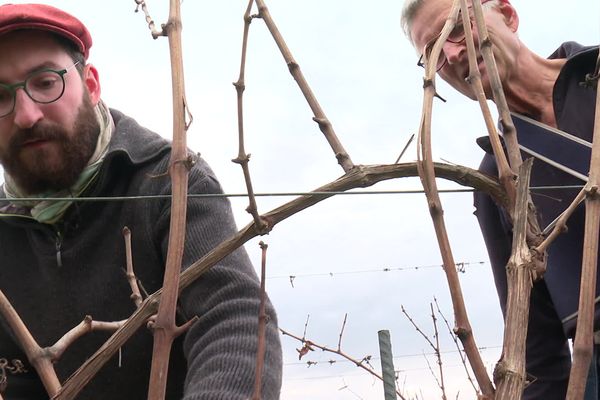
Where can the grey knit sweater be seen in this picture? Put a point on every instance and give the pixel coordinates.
(56, 275)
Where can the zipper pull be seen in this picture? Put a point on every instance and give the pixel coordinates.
(58, 248)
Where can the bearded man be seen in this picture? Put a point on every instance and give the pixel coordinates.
(62, 260)
(557, 93)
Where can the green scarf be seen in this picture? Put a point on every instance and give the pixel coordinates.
(51, 211)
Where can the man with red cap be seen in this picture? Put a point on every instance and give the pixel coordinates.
(556, 92)
(61, 260)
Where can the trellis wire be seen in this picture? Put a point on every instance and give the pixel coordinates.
(266, 194)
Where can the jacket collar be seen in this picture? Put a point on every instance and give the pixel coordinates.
(136, 143)
(573, 77)
(571, 50)
(130, 141)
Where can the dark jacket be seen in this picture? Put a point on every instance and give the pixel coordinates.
(217, 356)
(555, 298)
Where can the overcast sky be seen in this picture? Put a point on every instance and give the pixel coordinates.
(363, 71)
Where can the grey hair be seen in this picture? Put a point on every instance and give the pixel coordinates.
(409, 10)
(412, 7)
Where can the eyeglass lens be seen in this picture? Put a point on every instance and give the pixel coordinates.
(43, 87)
(456, 36)
(441, 59)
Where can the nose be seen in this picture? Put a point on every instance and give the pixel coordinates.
(27, 112)
(454, 52)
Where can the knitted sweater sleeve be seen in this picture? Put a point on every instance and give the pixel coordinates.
(221, 347)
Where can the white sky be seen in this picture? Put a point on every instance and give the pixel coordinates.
(363, 72)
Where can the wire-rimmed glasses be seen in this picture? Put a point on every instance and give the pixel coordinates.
(456, 36)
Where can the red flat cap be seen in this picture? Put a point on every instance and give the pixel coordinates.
(46, 18)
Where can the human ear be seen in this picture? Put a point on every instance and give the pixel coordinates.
(92, 83)
(511, 18)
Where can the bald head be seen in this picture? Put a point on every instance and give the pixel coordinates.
(412, 7)
(409, 10)
(423, 20)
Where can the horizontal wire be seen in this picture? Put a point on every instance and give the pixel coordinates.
(460, 266)
(274, 194)
(397, 370)
(400, 356)
(360, 373)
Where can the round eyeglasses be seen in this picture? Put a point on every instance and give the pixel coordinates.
(456, 36)
(44, 86)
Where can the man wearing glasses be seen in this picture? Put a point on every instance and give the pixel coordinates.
(556, 93)
(61, 260)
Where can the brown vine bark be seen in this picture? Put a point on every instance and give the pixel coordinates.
(360, 176)
(534, 233)
(509, 373)
(319, 115)
(243, 159)
(262, 325)
(428, 179)
(582, 346)
(164, 326)
(35, 354)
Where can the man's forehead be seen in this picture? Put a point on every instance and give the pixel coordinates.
(434, 9)
(24, 50)
(428, 20)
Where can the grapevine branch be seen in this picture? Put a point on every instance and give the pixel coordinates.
(86, 326)
(435, 347)
(319, 115)
(165, 299)
(308, 345)
(42, 359)
(519, 271)
(456, 343)
(583, 344)
(505, 174)
(485, 45)
(164, 325)
(151, 25)
(342, 332)
(561, 223)
(437, 352)
(534, 233)
(510, 370)
(262, 325)
(136, 296)
(35, 354)
(430, 368)
(361, 176)
(305, 327)
(428, 180)
(243, 159)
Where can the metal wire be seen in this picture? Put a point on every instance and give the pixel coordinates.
(274, 194)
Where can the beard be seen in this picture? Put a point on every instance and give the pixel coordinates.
(56, 168)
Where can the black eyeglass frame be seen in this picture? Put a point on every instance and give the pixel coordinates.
(12, 88)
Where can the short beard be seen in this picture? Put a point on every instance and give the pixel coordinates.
(75, 150)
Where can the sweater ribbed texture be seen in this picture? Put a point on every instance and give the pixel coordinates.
(216, 358)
